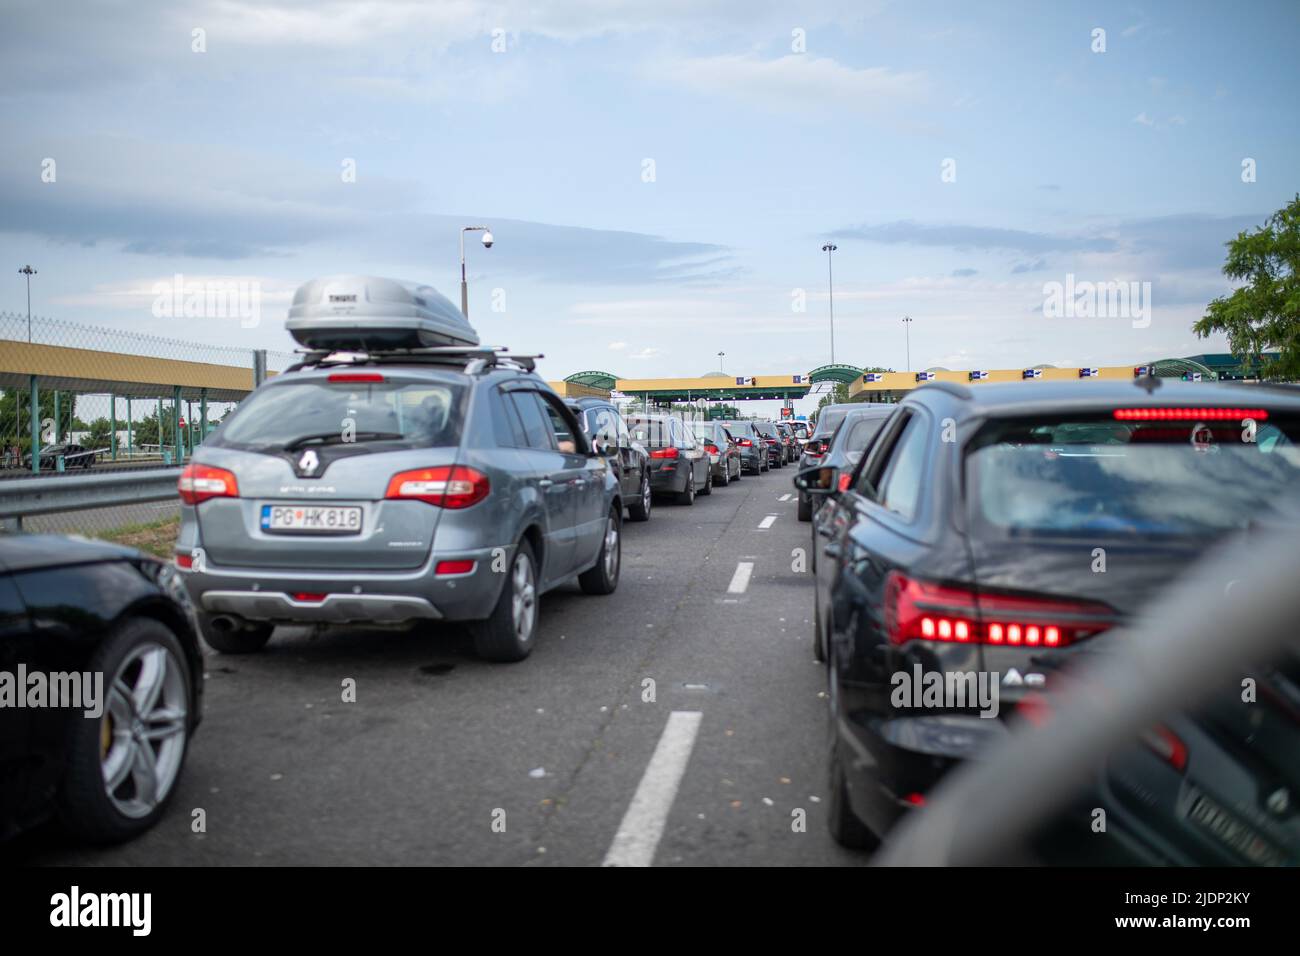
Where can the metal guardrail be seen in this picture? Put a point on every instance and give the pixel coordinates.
(27, 497)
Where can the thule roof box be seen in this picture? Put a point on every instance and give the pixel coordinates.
(372, 313)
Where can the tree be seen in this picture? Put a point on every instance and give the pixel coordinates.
(99, 434)
(15, 416)
(1264, 314)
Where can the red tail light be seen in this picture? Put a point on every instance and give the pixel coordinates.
(815, 448)
(1189, 414)
(356, 377)
(454, 567)
(310, 597)
(185, 561)
(448, 486)
(918, 610)
(201, 482)
(664, 453)
(844, 480)
(712, 449)
(1167, 745)
(745, 443)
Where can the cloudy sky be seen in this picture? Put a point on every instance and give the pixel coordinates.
(660, 176)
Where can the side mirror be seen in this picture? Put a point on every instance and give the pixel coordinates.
(817, 481)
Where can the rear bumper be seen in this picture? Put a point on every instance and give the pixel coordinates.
(664, 479)
(354, 597)
(886, 761)
(335, 609)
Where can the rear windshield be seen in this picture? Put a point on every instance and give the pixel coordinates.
(800, 429)
(705, 430)
(1094, 474)
(830, 419)
(316, 412)
(855, 436)
(652, 432)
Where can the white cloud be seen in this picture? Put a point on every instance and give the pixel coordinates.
(648, 353)
(1144, 119)
(803, 83)
(617, 346)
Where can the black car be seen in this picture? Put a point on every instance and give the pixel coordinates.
(844, 450)
(75, 614)
(995, 532)
(789, 445)
(73, 455)
(723, 451)
(679, 464)
(607, 432)
(818, 440)
(772, 440)
(751, 445)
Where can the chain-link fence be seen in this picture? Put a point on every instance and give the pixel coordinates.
(94, 400)
(111, 398)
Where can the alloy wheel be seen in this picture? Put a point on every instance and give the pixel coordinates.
(523, 599)
(143, 730)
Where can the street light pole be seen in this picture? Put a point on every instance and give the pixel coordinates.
(907, 324)
(829, 248)
(487, 242)
(721, 356)
(28, 271)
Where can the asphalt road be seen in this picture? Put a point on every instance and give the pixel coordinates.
(560, 759)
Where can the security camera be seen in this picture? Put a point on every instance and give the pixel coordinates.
(488, 240)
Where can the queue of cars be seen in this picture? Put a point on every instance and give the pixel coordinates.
(1012, 533)
(399, 473)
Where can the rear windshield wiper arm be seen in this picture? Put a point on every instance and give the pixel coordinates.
(336, 437)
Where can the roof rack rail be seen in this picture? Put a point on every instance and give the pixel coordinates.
(475, 358)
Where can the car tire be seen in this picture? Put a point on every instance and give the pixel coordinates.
(819, 638)
(805, 507)
(687, 496)
(602, 577)
(248, 639)
(846, 829)
(510, 631)
(708, 482)
(726, 476)
(140, 654)
(639, 510)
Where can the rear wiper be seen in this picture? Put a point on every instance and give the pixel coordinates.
(336, 437)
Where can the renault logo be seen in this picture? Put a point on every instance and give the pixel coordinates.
(308, 462)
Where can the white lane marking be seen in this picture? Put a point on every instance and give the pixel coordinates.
(784, 498)
(643, 823)
(767, 522)
(740, 580)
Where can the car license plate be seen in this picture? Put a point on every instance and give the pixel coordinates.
(311, 519)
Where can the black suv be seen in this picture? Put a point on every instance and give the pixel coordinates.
(608, 434)
(998, 531)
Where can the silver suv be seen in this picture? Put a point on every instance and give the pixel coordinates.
(443, 484)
